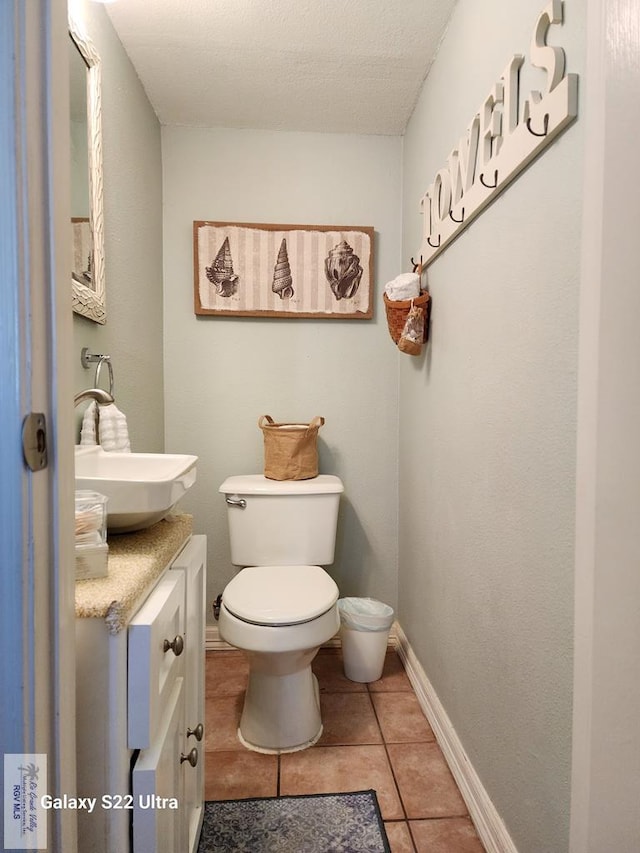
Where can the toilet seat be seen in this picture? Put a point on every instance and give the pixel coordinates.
(280, 595)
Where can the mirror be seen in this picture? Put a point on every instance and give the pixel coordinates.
(87, 227)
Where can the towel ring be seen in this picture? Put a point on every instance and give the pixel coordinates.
(104, 359)
(98, 359)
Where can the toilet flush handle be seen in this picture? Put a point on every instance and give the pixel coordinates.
(239, 502)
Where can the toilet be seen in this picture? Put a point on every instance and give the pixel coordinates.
(282, 606)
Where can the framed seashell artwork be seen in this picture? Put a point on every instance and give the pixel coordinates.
(257, 270)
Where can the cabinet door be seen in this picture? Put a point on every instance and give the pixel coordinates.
(155, 658)
(157, 783)
(192, 563)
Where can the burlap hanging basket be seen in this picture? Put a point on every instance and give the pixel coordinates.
(397, 313)
(290, 450)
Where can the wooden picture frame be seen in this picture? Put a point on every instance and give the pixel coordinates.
(246, 269)
(89, 292)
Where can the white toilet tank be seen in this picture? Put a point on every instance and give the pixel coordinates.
(282, 522)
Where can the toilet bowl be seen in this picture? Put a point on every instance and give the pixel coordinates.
(280, 616)
(282, 606)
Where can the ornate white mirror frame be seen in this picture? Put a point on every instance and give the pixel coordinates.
(90, 301)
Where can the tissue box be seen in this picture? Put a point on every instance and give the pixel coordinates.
(91, 518)
(91, 535)
(91, 561)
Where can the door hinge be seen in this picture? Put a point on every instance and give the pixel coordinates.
(34, 440)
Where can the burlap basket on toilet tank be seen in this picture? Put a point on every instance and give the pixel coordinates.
(290, 450)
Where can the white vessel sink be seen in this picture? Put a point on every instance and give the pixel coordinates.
(142, 488)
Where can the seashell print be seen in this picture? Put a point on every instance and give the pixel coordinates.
(221, 274)
(282, 279)
(343, 271)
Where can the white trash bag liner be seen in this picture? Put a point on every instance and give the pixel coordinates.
(365, 614)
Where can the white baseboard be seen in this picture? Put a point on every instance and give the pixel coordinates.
(487, 821)
(213, 641)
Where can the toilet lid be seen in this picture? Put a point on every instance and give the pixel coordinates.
(280, 595)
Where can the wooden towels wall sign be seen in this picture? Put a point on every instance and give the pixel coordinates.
(501, 140)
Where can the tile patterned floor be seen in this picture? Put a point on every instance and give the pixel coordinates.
(375, 736)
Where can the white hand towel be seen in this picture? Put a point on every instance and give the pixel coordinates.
(112, 429)
(403, 286)
(113, 433)
(88, 429)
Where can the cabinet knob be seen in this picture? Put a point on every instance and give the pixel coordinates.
(192, 757)
(197, 732)
(176, 645)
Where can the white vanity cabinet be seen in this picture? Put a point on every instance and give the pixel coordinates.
(166, 708)
(192, 562)
(140, 717)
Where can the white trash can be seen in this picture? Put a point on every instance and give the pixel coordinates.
(364, 630)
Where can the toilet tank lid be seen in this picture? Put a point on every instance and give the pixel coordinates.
(257, 484)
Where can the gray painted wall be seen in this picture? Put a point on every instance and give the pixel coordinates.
(488, 435)
(133, 242)
(221, 374)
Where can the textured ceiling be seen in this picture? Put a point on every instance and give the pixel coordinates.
(339, 66)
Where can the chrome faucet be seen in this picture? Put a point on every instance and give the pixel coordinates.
(102, 398)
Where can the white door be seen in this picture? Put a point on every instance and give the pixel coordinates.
(606, 730)
(36, 595)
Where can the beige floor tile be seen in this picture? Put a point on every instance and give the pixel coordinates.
(426, 785)
(329, 670)
(348, 718)
(225, 673)
(445, 835)
(430, 799)
(394, 678)
(399, 837)
(222, 716)
(334, 769)
(234, 775)
(401, 718)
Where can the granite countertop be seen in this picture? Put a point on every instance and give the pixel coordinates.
(136, 561)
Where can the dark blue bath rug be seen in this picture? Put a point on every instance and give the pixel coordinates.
(320, 823)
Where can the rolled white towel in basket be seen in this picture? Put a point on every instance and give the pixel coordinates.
(113, 432)
(403, 286)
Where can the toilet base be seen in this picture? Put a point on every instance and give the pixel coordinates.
(281, 710)
(266, 751)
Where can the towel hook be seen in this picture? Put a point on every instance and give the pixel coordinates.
(545, 126)
(487, 185)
